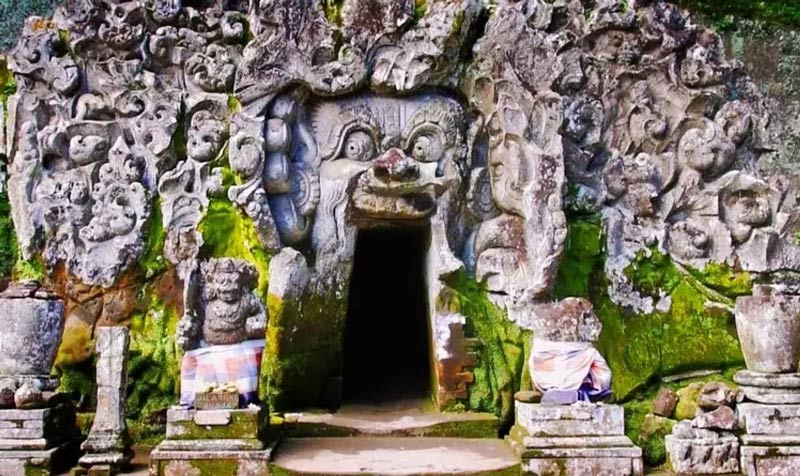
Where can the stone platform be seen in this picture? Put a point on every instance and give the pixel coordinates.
(36, 442)
(407, 418)
(575, 440)
(395, 456)
(213, 443)
(771, 446)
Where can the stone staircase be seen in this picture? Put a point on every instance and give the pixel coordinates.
(397, 439)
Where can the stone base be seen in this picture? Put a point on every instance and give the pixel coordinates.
(704, 455)
(576, 456)
(575, 440)
(47, 425)
(209, 463)
(579, 419)
(770, 460)
(109, 462)
(39, 462)
(769, 388)
(246, 424)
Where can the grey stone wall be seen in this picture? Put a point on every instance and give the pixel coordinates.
(772, 58)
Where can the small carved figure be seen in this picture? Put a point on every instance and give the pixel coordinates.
(231, 312)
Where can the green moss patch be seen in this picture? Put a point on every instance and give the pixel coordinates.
(500, 372)
(693, 334)
(304, 347)
(725, 13)
(153, 367)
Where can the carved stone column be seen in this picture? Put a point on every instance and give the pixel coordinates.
(768, 323)
(108, 446)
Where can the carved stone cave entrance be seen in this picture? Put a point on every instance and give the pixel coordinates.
(387, 344)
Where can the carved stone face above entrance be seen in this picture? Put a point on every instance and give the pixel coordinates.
(406, 152)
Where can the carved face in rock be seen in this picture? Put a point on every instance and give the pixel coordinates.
(745, 210)
(406, 151)
(206, 136)
(227, 279)
(706, 149)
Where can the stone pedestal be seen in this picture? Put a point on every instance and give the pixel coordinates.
(574, 440)
(771, 420)
(35, 442)
(213, 442)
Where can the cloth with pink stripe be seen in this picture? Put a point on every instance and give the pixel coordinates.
(571, 366)
(217, 365)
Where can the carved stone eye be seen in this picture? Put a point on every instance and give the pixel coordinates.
(358, 146)
(426, 149)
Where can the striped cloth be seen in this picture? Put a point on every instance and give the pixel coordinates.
(570, 366)
(220, 364)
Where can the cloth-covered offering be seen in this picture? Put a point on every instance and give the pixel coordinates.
(572, 367)
(218, 365)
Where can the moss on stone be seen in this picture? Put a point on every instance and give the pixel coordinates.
(243, 425)
(152, 261)
(8, 242)
(78, 380)
(498, 374)
(153, 366)
(725, 13)
(304, 347)
(690, 335)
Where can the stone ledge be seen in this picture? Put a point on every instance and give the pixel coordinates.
(583, 466)
(764, 419)
(39, 462)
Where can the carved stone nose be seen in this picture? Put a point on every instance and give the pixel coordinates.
(395, 166)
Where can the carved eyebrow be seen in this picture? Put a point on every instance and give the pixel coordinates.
(441, 113)
(347, 129)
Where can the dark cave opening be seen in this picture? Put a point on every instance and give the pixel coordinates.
(387, 351)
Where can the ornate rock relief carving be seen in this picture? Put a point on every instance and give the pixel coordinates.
(392, 117)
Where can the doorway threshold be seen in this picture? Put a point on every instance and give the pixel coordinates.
(403, 418)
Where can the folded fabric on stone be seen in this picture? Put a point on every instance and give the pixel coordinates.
(570, 366)
(217, 365)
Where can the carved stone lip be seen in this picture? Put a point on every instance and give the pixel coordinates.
(410, 206)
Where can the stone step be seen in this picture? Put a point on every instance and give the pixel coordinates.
(396, 419)
(390, 456)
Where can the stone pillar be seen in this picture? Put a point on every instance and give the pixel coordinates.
(37, 427)
(108, 446)
(768, 323)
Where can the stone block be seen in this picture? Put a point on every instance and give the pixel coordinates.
(769, 388)
(580, 456)
(209, 463)
(183, 424)
(39, 462)
(770, 460)
(718, 455)
(721, 418)
(55, 423)
(580, 419)
(665, 403)
(761, 419)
